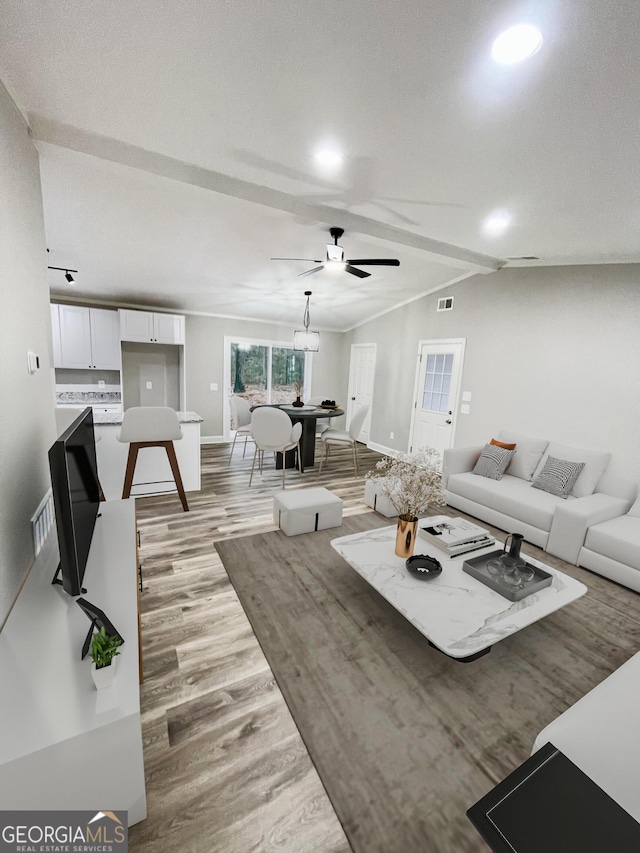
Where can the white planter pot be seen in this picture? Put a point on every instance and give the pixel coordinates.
(104, 676)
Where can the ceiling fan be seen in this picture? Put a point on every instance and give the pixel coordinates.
(336, 260)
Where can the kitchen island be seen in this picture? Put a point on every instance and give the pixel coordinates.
(153, 473)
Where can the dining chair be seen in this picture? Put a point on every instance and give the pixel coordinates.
(151, 426)
(320, 426)
(272, 430)
(344, 438)
(241, 419)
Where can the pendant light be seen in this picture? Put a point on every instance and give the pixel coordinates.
(306, 341)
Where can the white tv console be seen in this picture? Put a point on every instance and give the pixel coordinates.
(64, 744)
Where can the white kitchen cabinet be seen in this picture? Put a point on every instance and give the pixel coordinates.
(151, 327)
(105, 339)
(55, 333)
(89, 338)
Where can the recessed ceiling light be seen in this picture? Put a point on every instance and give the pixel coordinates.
(328, 157)
(516, 44)
(496, 224)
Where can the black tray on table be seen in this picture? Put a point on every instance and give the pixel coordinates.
(477, 568)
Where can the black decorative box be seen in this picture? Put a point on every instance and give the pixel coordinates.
(477, 568)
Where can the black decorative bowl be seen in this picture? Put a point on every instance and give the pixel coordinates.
(424, 567)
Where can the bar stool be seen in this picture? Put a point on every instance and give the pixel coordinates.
(151, 426)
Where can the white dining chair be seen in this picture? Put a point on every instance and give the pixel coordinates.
(151, 426)
(322, 424)
(345, 438)
(241, 419)
(272, 430)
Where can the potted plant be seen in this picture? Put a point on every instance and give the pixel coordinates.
(104, 648)
(413, 483)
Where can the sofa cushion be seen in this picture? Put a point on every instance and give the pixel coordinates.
(511, 496)
(595, 464)
(618, 539)
(558, 476)
(492, 462)
(527, 456)
(635, 509)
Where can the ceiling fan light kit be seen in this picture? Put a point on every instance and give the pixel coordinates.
(336, 261)
(304, 340)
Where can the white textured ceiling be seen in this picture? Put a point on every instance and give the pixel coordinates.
(176, 144)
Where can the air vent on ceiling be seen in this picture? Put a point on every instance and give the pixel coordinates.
(445, 303)
(524, 258)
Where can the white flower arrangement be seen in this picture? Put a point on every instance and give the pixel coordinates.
(411, 481)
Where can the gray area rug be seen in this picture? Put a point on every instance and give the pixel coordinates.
(404, 739)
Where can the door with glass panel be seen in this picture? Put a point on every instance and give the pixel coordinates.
(437, 392)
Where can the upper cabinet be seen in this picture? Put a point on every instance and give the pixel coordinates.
(88, 338)
(151, 327)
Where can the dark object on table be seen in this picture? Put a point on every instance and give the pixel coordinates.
(328, 404)
(423, 566)
(479, 568)
(548, 804)
(297, 403)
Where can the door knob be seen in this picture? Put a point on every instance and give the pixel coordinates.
(353, 398)
(447, 421)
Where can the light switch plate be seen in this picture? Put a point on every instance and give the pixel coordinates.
(466, 396)
(465, 410)
(33, 362)
(213, 386)
(148, 385)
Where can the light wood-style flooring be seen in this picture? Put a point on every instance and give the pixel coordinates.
(226, 769)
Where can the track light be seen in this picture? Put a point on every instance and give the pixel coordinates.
(67, 273)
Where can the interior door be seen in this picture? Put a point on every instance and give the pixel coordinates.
(362, 373)
(437, 392)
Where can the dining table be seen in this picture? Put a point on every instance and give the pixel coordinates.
(308, 416)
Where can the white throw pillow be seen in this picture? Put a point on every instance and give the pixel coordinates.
(527, 456)
(595, 464)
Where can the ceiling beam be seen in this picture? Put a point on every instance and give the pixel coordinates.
(65, 136)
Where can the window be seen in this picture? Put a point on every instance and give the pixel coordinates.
(267, 373)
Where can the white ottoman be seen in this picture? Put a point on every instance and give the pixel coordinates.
(377, 501)
(305, 510)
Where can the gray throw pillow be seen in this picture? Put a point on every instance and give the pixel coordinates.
(558, 476)
(493, 462)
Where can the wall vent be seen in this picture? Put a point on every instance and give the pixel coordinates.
(445, 303)
(41, 522)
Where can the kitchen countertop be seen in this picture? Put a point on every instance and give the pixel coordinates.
(115, 418)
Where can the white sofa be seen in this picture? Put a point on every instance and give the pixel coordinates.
(599, 734)
(558, 525)
(612, 548)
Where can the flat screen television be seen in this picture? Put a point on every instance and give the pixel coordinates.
(76, 498)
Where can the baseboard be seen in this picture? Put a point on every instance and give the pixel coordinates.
(212, 439)
(380, 448)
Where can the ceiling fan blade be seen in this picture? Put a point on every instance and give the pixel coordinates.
(310, 272)
(354, 271)
(308, 260)
(381, 262)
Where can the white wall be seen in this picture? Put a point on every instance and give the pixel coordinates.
(204, 357)
(27, 424)
(551, 351)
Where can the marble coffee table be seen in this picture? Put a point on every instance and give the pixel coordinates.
(459, 615)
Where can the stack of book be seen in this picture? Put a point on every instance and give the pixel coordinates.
(454, 536)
